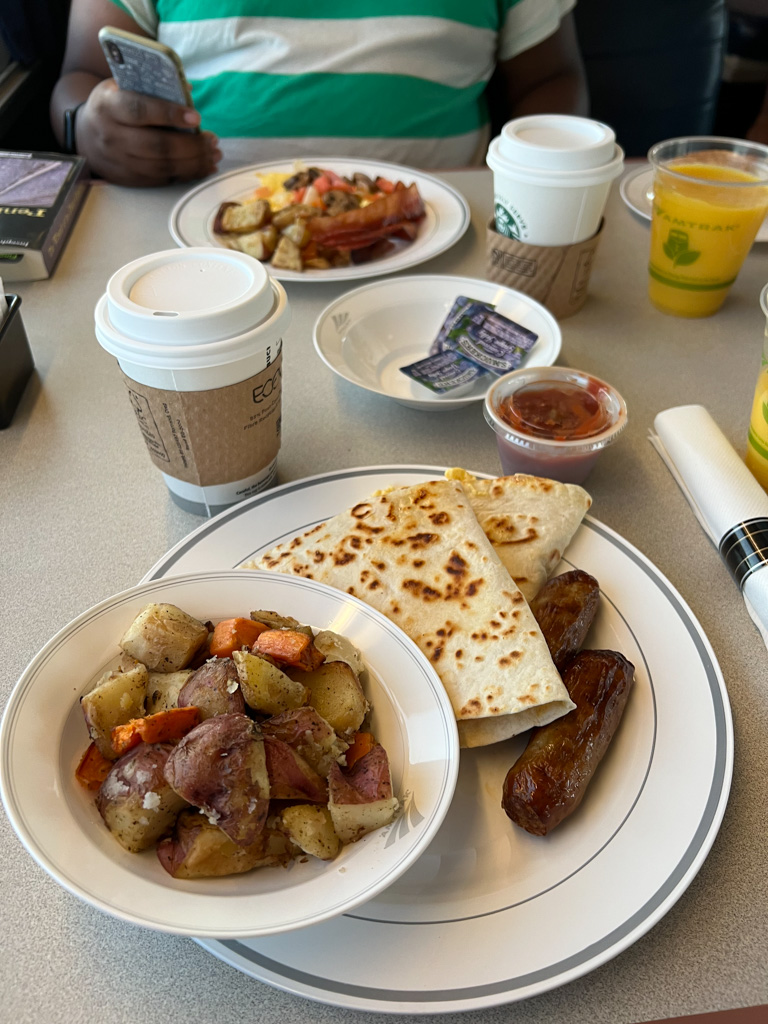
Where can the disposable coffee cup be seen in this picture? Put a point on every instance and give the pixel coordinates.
(197, 334)
(551, 177)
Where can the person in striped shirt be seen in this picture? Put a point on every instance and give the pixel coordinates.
(274, 81)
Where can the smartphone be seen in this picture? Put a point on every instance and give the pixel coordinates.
(145, 66)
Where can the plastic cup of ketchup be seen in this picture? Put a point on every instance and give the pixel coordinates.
(552, 421)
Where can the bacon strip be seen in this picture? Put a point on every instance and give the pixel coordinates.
(357, 228)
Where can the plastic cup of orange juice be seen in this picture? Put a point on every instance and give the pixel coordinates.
(710, 196)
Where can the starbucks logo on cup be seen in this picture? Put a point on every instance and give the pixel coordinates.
(506, 223)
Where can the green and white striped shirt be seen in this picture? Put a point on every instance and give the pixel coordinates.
(327, 79)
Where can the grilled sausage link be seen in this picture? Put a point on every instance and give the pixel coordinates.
(549, 779)
(564, 609)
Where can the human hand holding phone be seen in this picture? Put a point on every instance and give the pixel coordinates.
(139, 127)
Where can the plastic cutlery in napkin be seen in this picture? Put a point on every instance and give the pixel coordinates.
(729, 503)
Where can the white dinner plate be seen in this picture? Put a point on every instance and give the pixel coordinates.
(489, 914)
(636, 189)
(43, 736)
(367, 334)
(446, 220)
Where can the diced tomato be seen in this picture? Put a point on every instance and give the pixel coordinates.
(264, 192)
(298, 194)
(322, 184)
(385, 185)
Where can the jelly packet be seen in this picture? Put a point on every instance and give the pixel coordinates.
(497, 344)
(475, 339)
(471, 309)
(444, 372)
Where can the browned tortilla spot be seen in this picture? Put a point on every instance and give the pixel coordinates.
(344, 558)
(355, 542)
(459, 653)
(437, 654)
(374, 584)
(361, 511)
(381, 566)
(417, 563)
(456, 565)
(318, 557)
(420, 589)
(472, 707)
(440, 518)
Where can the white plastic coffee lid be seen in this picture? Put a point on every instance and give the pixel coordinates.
(189, 296)
(557, 142)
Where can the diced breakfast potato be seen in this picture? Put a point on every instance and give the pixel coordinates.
(336, 694)
(337, 648)
(198, 849)
(290, 214)
(353, 821)
(310, 827)
(116, 698)
(179, 761)
(287, 255)
(259, 244)
(135, 801)
(276, 621)
(265, 687)
(361, 799)
(298, 232)
(163, 689)
(164, 638)
(243, 217)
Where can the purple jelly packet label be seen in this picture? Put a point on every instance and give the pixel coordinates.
(472, 309)
(497, 344)
(444, 372)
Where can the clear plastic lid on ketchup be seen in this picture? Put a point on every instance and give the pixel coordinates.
(553, 421)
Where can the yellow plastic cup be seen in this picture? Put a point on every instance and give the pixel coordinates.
(756, 457)
(710, 196)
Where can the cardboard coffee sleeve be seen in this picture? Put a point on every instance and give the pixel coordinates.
(212, 437)
(557, 276)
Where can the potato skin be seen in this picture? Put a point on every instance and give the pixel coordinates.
(220, 767)
(214, 688)
(135, 801)
(361, 799)
(198, 849)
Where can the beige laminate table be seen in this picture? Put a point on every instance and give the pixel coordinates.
(84, 514)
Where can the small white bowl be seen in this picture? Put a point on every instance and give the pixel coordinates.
(367, 334)
(43, 736)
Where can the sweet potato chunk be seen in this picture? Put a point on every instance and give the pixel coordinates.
(290, 647)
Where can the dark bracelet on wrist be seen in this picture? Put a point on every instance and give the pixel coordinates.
(70, 145)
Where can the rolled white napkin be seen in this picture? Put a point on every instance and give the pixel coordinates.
(729, 503)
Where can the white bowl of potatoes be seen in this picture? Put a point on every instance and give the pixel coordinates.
(301, 767)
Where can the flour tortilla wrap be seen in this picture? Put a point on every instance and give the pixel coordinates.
(419, 556)
(529, 520)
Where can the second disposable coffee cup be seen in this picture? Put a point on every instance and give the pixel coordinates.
(198, 333)
(551, 177)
